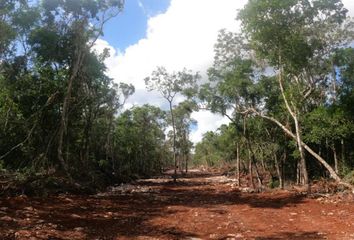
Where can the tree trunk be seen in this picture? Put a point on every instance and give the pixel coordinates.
(298, 172)
(332, 173)
(87, 139)
(277, 168)
(250, 171)
(238, 179)
(304, 174)
(294, 114)
(259, 179)
(342, 151)
(187, 159)
(335, 158)
(262, 160)
(65, 112)
(174, 142)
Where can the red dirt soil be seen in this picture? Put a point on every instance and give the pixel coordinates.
(198, 206)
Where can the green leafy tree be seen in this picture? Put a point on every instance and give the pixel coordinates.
(169, 85)
(282, 42)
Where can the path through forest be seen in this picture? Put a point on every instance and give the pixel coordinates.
(199, 206)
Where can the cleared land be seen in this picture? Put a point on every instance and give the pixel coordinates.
(198, 206)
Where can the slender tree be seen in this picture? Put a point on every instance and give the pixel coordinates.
(169, 85)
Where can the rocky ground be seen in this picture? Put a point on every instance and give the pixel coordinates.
(198, 206)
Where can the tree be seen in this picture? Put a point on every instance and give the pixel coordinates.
(139, 142)
(54, 87)
(281, 42)
(169, 85)
(286, 34)
(183, 121)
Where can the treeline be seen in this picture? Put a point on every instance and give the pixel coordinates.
(286, 84)
(60, 114)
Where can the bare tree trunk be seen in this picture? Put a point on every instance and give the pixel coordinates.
(332, 173)
(304, 174)
(342, 150)
(250, 171)
(87, 139)
(7, 118)
(262, 160)
(187, 159)
(335, 158)
(238, 165)
(259, 179)
(294, 114)
(298, 173)
(250, 154)
(65, 112)
(174, 142)
(277, 168)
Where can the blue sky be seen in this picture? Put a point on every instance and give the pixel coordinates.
(175, 34)
(130, 26)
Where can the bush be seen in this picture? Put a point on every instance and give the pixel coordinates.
(350, 177)
(274, 183)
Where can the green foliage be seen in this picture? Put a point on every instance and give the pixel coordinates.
(274, 183)
(216, 148)
(171, 84)
(350, 177)
(285, 31)
(327, 124)
(55, 96)
(291, 65)
(139, 142)
(50, 37)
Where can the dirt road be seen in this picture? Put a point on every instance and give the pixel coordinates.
(199, 206)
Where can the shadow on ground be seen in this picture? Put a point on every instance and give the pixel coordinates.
(130, 215)
(294, 236)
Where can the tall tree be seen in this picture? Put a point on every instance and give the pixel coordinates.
(282, 41)
(184, 123)
(169, 85)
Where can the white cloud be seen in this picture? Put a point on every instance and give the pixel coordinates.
(183, 36)
(349, 4)
(207, 121)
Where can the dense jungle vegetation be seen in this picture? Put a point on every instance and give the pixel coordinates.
(285, 81)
